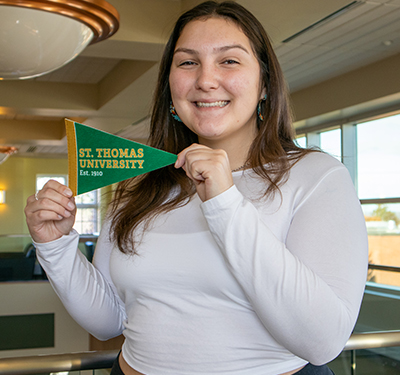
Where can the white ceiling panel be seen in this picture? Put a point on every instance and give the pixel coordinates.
(337, 24)
(299, 52)
(364, 26)
(338, 36)
(338, 45)
(319, 73)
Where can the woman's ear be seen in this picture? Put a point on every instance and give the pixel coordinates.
(263, 94)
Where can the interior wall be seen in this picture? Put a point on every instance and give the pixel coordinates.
(11, 181)
(19, 298)
(371, 89)
(18, 178)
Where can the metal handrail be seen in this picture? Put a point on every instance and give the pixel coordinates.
(104, 359)
(373, 340)
(58, 362)
(26, 235)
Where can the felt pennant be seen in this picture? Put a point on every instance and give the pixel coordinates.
(97, 158)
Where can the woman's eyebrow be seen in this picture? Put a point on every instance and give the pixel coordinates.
(186, 50)
(217, 49)
(233, 46)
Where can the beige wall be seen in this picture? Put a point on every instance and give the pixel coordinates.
(39, 298)
(18, 178)
(370, 90)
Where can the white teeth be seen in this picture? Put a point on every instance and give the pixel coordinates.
(215, 104)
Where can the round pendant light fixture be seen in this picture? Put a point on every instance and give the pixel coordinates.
(39, 36)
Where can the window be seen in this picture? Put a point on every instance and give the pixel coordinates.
(379, 158)
(330, 142)
(371, 153)
(42, 179)
(301, 142)
(87, 215)
(378, 164)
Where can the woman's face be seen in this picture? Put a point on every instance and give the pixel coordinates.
(215, 82)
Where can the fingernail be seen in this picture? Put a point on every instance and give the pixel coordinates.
(68, 192)
(71, 205)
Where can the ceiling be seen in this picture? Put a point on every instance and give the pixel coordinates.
(109, 86)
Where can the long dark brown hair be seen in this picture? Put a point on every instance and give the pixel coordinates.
(271, 155)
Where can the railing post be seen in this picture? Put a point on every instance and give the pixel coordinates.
(353, 361)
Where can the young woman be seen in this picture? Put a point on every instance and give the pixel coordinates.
(249, 256)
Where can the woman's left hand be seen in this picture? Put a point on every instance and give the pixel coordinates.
(209, 169)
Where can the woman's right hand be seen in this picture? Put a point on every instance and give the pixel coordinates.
(50, 213)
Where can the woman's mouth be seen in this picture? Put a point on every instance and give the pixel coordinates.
(221, 103)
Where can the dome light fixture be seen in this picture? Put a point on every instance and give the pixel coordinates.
(6, 151)
(39, 36)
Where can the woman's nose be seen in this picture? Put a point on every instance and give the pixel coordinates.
(208, 78)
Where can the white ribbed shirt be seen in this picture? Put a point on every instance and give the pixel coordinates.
(236, 285)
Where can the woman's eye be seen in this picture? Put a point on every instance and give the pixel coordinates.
(187, 63)
(230, 62)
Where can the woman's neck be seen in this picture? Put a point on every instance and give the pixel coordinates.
(237, 150)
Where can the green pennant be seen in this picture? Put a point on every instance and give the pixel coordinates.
(97, 158)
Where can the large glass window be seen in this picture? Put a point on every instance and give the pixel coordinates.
(379, 158)
(371, 152)
(378, 162)
(331, 143)
(301, 141)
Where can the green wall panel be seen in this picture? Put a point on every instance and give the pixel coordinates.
(26, 331)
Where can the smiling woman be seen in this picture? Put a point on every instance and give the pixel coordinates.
(249, 255)
(215, 86)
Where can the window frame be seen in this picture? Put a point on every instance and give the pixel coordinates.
(96, 206)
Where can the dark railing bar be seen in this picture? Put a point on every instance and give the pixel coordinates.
(380, 201)
(383, 268)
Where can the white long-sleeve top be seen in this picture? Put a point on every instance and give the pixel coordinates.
(236, 285)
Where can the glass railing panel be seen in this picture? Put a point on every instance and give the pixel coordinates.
(18, 256)
(383, 361)
(380, 309)
(376, 353)
(386, 276)
(342, 364)
(18, 259)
